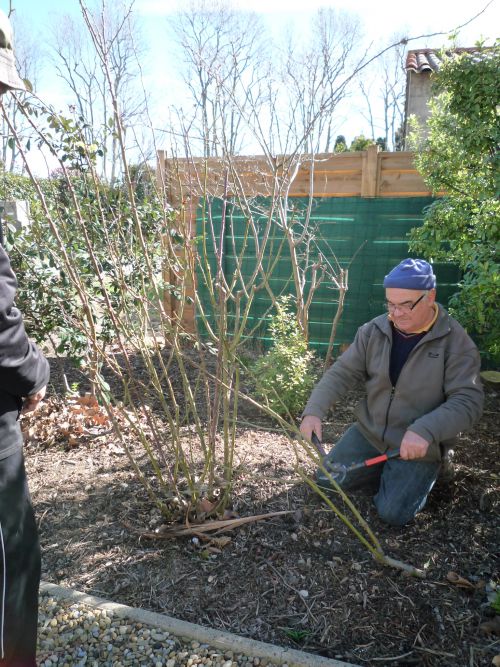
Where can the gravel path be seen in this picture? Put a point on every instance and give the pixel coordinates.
(77, 635)
(77, 629)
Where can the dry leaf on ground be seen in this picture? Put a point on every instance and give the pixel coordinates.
(461, 582)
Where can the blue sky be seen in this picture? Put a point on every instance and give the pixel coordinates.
(381, 20)
(382, 17)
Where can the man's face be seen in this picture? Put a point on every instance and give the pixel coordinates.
(399, 303)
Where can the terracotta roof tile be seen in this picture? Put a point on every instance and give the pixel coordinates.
(429, 60)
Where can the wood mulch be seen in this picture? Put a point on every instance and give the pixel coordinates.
(299, 579)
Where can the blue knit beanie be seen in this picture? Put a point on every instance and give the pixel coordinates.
(411, 274)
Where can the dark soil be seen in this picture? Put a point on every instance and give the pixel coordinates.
(299, 579)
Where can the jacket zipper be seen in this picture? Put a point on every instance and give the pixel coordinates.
(393, 390)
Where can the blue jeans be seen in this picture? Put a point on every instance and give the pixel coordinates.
(401, 486)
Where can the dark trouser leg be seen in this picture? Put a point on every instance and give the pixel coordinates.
(19, 567)
(403, 486)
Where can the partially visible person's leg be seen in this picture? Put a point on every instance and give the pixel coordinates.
(352, 447)
(404, 487)
(19, 567)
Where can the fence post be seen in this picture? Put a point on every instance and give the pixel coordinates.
(179, 271)
(370, 173)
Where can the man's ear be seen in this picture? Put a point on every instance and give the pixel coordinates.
(431, 297)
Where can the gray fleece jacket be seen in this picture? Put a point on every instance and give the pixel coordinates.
(438, 393)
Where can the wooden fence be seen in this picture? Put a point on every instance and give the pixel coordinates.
(370, 173)
(364, 174)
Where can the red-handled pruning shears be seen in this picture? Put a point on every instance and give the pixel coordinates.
(338, 471)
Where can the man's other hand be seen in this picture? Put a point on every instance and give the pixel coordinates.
(413, 446)
(32, 402)
(309, 425)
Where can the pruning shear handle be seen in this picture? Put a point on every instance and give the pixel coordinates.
(338, 471)
(393, 454)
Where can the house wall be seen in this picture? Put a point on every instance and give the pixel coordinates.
(418, 94)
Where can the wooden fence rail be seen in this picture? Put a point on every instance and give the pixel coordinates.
(370, 173)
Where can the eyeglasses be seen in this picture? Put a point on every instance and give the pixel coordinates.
(405, 307)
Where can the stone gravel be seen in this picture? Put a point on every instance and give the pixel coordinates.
(76, 634)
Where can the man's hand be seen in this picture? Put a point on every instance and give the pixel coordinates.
(32, 402)
(310, 425)
(413, 446)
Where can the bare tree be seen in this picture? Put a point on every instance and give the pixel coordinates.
(116, 28)
(223, 53)
(316, 77)
(383, 91)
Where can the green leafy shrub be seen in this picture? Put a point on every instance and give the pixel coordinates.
(103, 232)
(286, 374)
(460, 157)
(361, 143)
